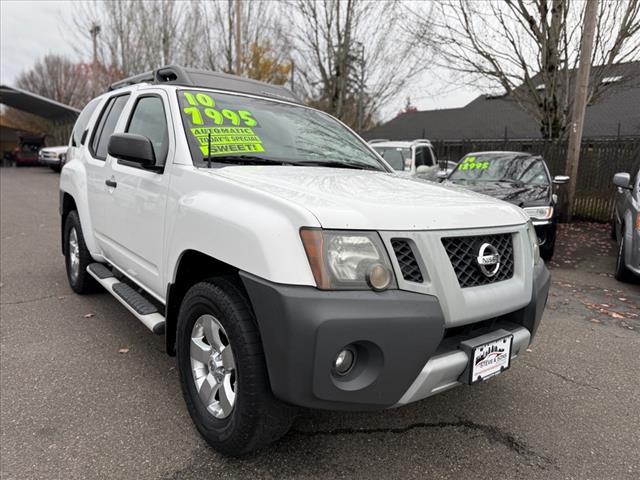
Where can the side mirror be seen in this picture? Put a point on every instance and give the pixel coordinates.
(442, 174)
(422, 169)
(622, 180)
(132, 148)
(560, 179)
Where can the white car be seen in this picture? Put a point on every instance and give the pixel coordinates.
(54, 157)
(414, 158)
(283, 260)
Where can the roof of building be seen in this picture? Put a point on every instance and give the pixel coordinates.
(491, 117)
(43, 107)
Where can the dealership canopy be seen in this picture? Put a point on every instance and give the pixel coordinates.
(43, 107)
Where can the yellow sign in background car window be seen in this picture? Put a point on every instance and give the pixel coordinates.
(471, 163)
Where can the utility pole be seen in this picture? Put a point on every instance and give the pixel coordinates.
(94, 31)
(292, 77)
(360, 104)
(579, 106)
(238, 38)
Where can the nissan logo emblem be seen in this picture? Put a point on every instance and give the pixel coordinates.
(488, 260)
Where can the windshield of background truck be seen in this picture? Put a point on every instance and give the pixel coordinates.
(501, 168)
(236, 125)
(395, 156)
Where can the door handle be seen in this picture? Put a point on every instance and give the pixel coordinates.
(111, 183)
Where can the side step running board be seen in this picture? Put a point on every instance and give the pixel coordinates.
(143, 309)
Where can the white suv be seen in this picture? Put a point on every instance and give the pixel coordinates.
(284, 261)
(414, 158)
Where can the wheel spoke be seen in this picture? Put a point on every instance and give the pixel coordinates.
(213, 366)
(227, 359)
(208, 389)
(212, 332)
(227, 395)
(200, 351)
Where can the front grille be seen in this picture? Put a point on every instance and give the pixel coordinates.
(407, 260)
(463, 253)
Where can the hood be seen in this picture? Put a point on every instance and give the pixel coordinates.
(520, 195)
(367, 200)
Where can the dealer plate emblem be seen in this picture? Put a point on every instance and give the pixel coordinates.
(488, 260)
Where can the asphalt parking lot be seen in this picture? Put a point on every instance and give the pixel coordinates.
(73, 406)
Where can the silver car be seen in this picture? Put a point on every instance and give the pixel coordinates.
(626, 225)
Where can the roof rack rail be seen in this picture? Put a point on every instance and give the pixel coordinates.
(421, 140)
(191, 77)
(169, 74)
(378, 140)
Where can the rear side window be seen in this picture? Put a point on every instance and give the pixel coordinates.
(83, 120)
(148, 119)
(106, 126)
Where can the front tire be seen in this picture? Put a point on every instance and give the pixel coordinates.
(622, 273)
(223, 373)
(77, 257)
(546, 251)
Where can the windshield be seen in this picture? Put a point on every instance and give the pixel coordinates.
(397, 157)
(243, 129)
(30, 147)
(497, 167)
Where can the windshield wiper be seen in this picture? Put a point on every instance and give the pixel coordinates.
(248, 159)
(334, 164)
(513, 181)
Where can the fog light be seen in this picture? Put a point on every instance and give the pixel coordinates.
(344, 361)
(379, 277)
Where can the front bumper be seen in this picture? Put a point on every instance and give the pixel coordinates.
(50, 161)
(404, 351)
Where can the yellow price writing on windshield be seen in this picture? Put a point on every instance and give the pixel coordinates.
(202, 107)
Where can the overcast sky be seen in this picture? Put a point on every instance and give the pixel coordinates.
(31, 29)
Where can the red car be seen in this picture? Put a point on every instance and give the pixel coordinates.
(26, 153)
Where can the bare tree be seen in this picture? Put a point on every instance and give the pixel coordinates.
(353, 56)
(262, 32)
(57, 78)
(529, 49)
(141, 35)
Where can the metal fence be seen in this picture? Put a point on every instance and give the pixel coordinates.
(599, 160)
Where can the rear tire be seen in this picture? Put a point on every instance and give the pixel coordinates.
(77, 257)
(255, 417)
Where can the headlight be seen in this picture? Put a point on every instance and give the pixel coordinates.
(533, 239)
(347, 260)
(62, 157)
(539, 213)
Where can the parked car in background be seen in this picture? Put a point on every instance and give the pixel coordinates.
(415, 158)
(53, 157)
(626, 225)
(519, 178)
(26, 153)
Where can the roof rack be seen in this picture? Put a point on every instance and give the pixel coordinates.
(378, 140)
(191, 77)
(421, 140)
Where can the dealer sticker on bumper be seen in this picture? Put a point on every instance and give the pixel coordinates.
(491, 358)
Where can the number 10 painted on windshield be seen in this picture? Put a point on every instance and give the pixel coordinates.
(202, 103)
